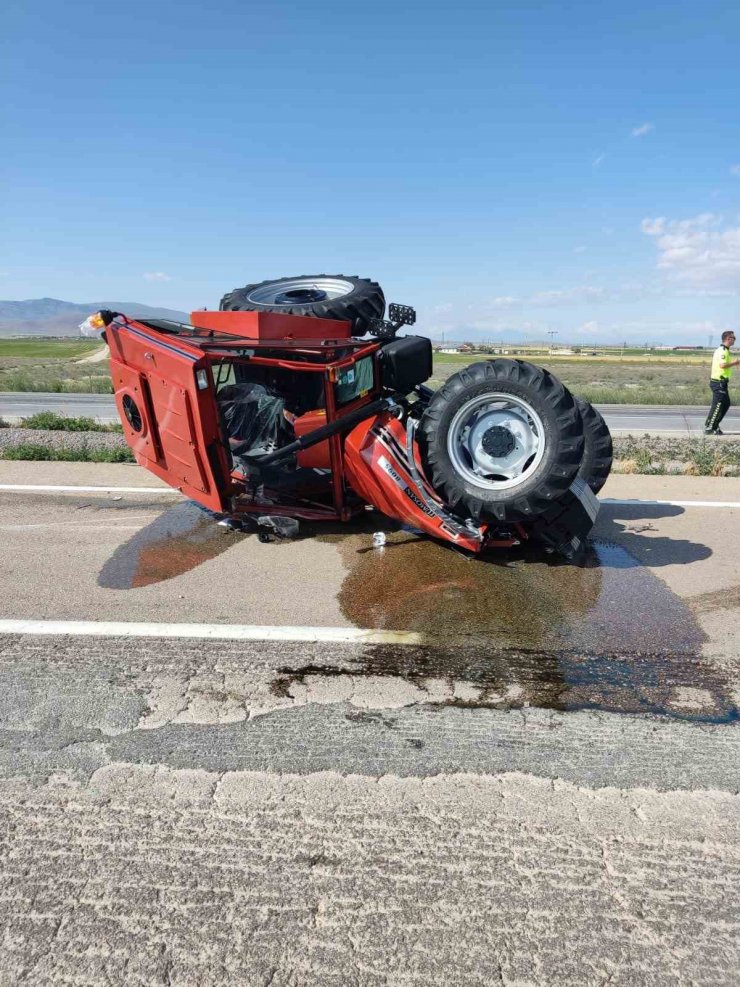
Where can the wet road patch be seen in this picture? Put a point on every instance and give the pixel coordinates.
(606, 602)
(507, 631)
(179, 540)
(675, 685)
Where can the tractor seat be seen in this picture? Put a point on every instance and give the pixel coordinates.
(252, 418)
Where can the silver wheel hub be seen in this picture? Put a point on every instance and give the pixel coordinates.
(496, 441)
(296, 291)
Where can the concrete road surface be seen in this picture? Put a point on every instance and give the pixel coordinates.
(527, 773)
(15, 405)
(636, 419)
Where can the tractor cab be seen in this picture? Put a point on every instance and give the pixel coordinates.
(227, 407)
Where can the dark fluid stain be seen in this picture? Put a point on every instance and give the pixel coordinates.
(522, 629)
(607, 602)
(517, 628)
(676, 685)
(176, 542)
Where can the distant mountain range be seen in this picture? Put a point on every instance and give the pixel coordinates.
(54, 317)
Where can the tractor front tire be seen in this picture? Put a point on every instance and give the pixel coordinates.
(598, 452)
(501, 440)
(323, 296)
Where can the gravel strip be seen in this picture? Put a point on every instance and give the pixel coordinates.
(60, 440)
(660, 454)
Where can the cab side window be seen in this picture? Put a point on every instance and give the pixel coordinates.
(354, 381)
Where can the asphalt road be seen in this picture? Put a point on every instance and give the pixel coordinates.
(542, 788)
(620, 418)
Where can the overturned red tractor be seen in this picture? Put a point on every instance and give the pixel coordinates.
(274, 405)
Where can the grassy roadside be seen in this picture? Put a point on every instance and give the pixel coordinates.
(632, 377)
(660, 456)
(74, 380)
(647, 455)
(50, 421)
(48, 436)
(32, 452)
(651, 381)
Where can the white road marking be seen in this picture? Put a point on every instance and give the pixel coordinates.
(41, 488)
(222, 632)
(72, 527)
(672, 503)
(48, 488)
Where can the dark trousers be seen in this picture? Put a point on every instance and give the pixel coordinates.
(720, 403)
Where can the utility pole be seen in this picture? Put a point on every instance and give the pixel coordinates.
(711, 340)
(552, 333)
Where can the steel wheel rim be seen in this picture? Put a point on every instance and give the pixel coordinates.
(496, 441)
(270, 294)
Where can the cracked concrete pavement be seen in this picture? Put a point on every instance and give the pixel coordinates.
(148, 875)
(545, 801)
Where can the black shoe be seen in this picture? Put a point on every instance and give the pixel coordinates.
(718, 431)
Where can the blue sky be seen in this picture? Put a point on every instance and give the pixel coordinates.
(505, 167)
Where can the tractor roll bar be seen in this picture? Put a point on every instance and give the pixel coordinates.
(324, 432)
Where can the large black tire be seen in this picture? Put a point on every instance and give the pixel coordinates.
(542, 481)
(323, 296)
(598, 452)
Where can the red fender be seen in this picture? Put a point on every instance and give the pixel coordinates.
(377, 468)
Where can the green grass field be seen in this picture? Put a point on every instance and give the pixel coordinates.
(610, 378)
(52, 365)
(56, 349)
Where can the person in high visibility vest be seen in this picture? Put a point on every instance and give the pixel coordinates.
(722, 364)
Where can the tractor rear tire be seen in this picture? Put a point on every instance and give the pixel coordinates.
(501, 440)
(598, 452)
(323, 296)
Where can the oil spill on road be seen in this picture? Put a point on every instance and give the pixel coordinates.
(676, 685)
(522, 629)
(608, 602)
(183, 537)
(517, 629)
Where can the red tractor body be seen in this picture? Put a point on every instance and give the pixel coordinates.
(255, 413)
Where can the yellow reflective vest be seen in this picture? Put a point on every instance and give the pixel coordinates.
(721, 355)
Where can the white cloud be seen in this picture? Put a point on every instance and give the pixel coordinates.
(545, 299)
(735, 170)
(702, 252)
(653, 227)
(643, 129)
(569, 296)
(157, 276)
(580, 249)
(597, 160)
